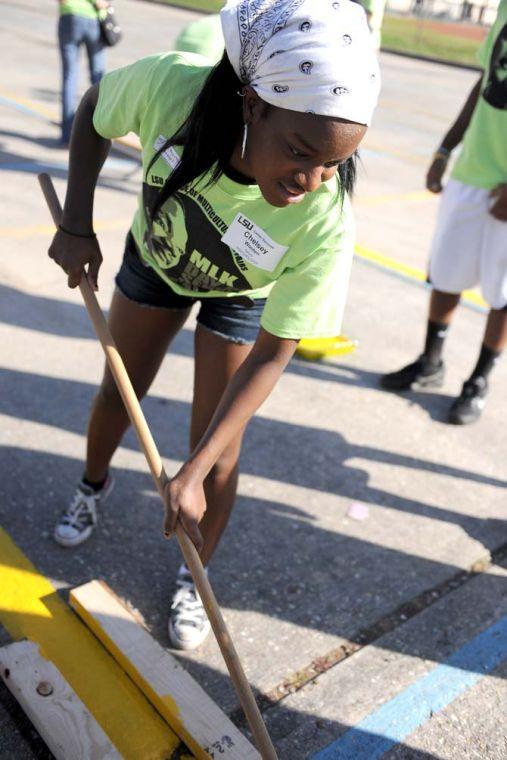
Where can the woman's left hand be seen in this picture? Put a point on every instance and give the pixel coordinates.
(185, 501)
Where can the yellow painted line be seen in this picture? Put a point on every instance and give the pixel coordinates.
(32, 104)
(387, 151)
(49, 229)
(31, 609)
(129, 141)
(387, 262)
(368, 254)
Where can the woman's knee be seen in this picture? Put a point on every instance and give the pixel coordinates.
(226, 465)
(108, 395)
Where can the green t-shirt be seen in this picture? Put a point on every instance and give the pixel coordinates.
(376, 10)
(483, 159)
(203, 36)
(226, 240)
(84, 8)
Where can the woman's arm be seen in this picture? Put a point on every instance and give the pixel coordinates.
(250, 386)
(88, 151)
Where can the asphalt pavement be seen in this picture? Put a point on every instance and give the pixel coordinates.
(361, 575)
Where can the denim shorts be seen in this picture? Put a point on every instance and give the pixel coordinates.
(236, 318)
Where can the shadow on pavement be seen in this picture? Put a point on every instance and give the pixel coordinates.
(58, 168)
(318, 458)
(270, 547)
(261, 567)
(435, 404)
(58, 317)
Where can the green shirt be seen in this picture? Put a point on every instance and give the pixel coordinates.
(226, 240)
(375, 9)
(84, 8)
(203, 36)
(483, 159)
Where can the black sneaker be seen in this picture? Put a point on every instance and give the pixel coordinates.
(417, 376)
(469, 405)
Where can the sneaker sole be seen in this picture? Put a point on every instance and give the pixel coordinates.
(69, 543)
(186, 645)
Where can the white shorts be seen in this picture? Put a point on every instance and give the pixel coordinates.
(469, 245)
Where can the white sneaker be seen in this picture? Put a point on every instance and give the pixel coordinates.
(77, 523)
(188, 623)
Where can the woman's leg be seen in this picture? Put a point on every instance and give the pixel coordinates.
(216, 361)
(142, 335)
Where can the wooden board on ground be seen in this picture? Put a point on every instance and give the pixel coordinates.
(192, 714)
(67, 727)
(30, 608)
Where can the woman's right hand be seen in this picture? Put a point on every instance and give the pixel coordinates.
(435, 174)
(73, 254)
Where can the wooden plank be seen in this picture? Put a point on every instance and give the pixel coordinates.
(192, 714)
(67, 727)
(30, 608)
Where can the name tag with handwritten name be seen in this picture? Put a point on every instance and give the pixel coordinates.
(170, 154)
(253, 244)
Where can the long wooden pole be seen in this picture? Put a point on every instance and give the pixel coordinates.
(192, 559)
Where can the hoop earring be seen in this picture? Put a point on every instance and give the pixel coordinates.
(245, 138)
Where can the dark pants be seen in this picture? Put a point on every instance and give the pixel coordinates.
(73, 31)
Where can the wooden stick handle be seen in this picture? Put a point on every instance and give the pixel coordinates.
(149, 448)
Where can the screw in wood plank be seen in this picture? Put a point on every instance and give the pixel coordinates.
(44, 689)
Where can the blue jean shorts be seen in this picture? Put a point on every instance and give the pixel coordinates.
(236, 318)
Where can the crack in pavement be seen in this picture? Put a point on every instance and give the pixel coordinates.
(370, 634)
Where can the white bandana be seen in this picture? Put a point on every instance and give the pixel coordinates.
(313, 56)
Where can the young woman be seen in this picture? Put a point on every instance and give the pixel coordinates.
(243, 209)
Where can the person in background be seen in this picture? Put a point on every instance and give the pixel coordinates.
(204, 37)
(78, 25)
(470, 241)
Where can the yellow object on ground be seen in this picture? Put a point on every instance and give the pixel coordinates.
(179, 699)
(31, 608)
(320, 348)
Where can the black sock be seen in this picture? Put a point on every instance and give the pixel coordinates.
(96, 486)
(435, 336)
(485, 363)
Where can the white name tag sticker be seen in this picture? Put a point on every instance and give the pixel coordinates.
(169, 155)
(253, 244)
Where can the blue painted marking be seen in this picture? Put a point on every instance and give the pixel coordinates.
(403, 714)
